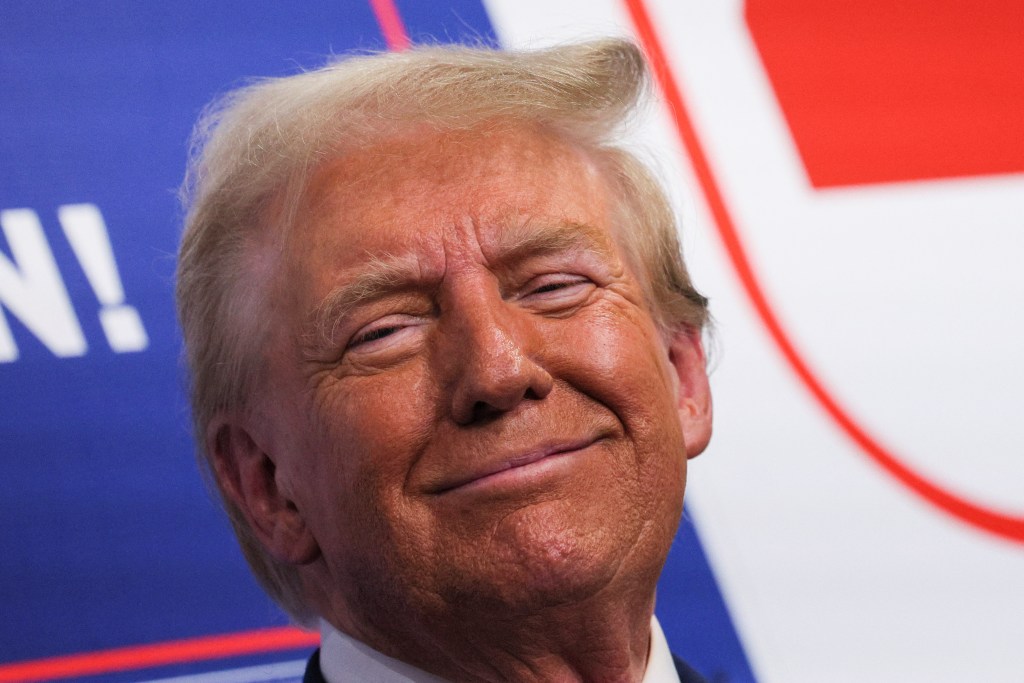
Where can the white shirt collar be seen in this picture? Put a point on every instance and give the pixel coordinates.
(343, 658)
(660, 666)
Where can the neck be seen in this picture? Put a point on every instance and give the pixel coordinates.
(594, 640)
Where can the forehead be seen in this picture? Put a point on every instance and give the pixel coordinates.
(419, 194)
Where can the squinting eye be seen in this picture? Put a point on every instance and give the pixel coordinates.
(384, 332)
(556, 284)
(374, 335)
(552, 287)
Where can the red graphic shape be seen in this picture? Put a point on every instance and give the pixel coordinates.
(391, 25)
(877, 91)
(159, 654)
(976, 515)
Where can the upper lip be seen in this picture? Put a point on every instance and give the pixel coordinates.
(511, 461)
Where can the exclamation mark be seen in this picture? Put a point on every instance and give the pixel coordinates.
(86, 232)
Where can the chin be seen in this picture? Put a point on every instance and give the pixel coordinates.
(538, 561)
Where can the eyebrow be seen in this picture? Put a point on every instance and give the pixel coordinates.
(386, 274)
(379, 276)
(528, 240)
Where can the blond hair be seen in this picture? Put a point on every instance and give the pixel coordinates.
(254, 150)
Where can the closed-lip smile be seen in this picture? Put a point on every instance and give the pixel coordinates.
(492, 471)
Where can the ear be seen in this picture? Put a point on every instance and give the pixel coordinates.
(248, 477)
(693, 394)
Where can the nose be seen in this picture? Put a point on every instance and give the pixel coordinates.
(492, 353)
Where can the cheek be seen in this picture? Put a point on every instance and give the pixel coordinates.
(617, 357)
(367, 433)
(375, 426)
(620, 362)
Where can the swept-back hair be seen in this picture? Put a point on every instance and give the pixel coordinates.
(255, 149)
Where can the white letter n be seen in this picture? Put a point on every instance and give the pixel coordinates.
(32, 290)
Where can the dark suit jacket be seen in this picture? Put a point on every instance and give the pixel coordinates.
(686, 674)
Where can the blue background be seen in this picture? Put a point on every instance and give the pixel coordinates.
(107, 535)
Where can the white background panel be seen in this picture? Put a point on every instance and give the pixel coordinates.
(904, 298)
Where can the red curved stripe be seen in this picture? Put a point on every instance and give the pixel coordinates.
(159, 654)
(978, 516)
(391, 24)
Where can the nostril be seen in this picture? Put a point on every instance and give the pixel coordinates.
(483, 412)
(534, 395)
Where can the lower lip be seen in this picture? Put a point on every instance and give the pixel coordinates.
(525, 476)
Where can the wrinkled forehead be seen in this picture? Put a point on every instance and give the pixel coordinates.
(411, 192)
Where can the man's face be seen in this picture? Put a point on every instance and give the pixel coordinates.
(467, 399)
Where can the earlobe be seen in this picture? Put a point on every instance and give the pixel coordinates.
(248, 477)
(693, 393)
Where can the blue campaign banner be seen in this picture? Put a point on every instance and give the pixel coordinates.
(108, 537)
